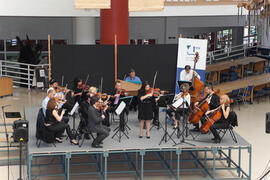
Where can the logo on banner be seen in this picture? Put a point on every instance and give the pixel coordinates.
(191, 50)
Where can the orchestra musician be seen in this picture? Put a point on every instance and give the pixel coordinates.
(187, 73)
(133, 79)
(79, 90)
(174, 112)
(225, 119)
(53, 84)
(211, 98)
(95, 119)
(118, 93)
(145, 108)
(54, 122)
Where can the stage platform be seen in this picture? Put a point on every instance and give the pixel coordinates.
(136, 152)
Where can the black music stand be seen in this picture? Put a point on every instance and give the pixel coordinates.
(120, 132)
(185, 129)
(165, 101)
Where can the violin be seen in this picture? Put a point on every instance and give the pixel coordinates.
(156, 92)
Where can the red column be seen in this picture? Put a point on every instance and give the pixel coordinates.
(115, 21)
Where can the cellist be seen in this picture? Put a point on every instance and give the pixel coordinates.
(225, 118)
(211, 98)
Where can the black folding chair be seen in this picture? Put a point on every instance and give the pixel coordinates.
(84, 131)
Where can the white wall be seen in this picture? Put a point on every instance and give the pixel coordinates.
(36, 28)
(66, 8)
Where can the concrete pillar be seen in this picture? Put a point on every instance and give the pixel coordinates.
(84, 30)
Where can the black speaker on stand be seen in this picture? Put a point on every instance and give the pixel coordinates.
(20, 134)
(267, 123)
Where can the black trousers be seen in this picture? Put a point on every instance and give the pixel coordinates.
(218, 125)
(58, 129)
(102, 133)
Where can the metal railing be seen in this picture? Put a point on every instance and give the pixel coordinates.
(22, 73)
(229, 53)
(199, 2)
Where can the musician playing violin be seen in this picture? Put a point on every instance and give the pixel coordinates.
(187, 73)
(115, 100)
(211, 98)
(225, 119)
(172, 111)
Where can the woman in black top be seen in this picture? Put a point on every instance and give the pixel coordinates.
(224, 121)
(145, 107)
(55, 124)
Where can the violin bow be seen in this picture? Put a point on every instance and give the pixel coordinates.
(101, 85)
(62, 83)
(154, 81)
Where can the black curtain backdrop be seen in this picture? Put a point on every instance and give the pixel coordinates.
(98, 60)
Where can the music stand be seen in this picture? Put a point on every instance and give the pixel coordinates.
(185, 128)
(72, 113)
(121, 131)
(166, 101)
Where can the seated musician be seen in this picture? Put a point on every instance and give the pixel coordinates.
(53, 84)
(54, 122)
(95, 119)
(133, 79)
(145, 109)
(78, 89)
(172, 112)
(224, 121)
(211, 98)
(187, 74)
(119, 92)
(50, 95)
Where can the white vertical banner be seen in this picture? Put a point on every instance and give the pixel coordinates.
(186, 53)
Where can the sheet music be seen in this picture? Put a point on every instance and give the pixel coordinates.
(42, 73)
(178, 103)
(74, 108)
(120, 108)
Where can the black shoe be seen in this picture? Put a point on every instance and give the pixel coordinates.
(96, 146)
(156, 122)
(86, 136)
(196, 129)
(140, 136)
(217, 140)
(148, 137)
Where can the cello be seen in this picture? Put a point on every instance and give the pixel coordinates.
(197, 85)
(200, 109)
(211, 119)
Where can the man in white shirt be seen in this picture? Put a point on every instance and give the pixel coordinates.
(186, 74)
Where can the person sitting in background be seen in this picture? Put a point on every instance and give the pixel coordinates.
(50, 95)
(133, 78)
(95, 119)
(54, 122)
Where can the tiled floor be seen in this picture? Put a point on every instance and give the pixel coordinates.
(251, 120)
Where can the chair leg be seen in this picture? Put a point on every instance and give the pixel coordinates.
(80, 145)
(54, 144)
(233, 135)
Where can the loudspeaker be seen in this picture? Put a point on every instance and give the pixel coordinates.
(267, 125)
(20, 131)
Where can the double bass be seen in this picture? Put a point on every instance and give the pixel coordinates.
(197, 85)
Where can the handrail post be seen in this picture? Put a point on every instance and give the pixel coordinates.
(1, 67)
(244, 51)
(28, 70)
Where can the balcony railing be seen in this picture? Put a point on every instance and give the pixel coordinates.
(199, 2)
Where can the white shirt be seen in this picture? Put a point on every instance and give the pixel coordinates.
(186, 99)
(184, 76)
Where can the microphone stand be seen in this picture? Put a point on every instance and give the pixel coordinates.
(7, 138)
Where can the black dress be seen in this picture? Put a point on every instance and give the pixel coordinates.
(145, 107)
